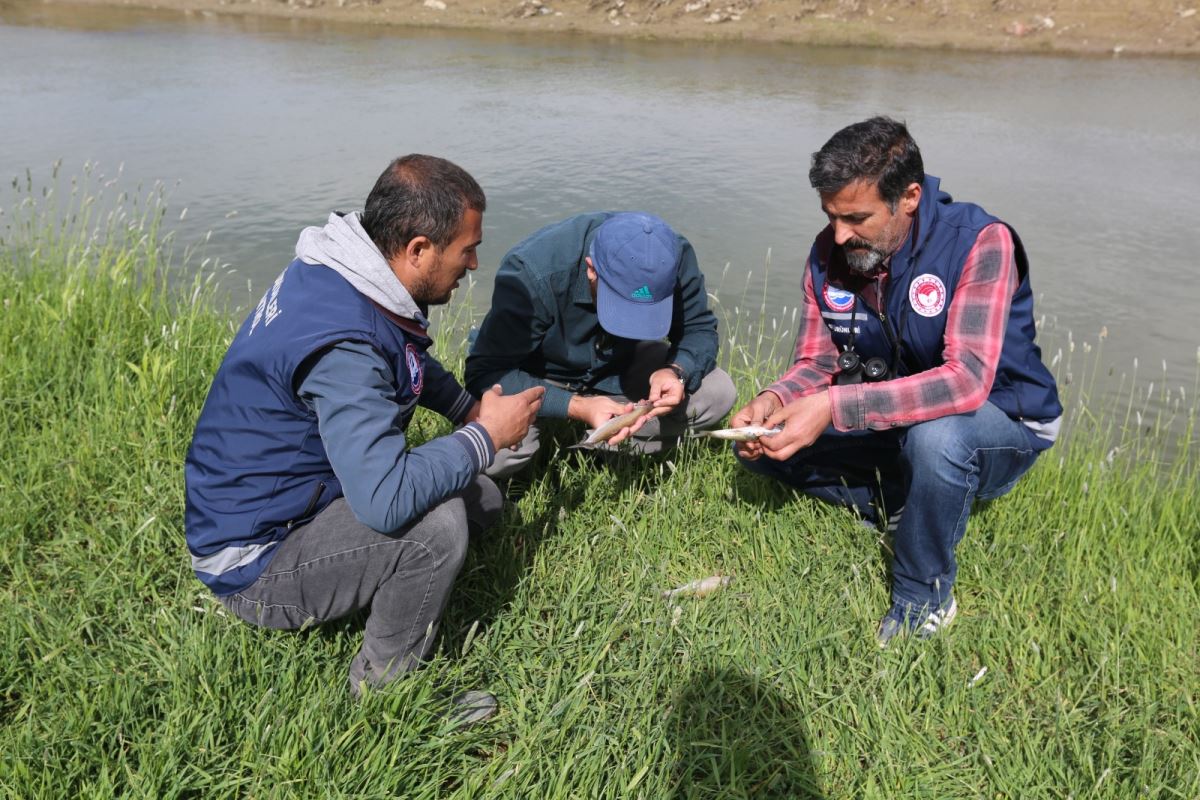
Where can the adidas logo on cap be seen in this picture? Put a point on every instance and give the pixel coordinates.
(643, 295)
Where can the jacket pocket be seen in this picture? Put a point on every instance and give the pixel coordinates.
(312, 504)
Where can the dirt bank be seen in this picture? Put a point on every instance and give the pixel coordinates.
(1109, 27)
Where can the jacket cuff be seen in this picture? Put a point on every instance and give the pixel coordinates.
(477, 443)
(691, 377)
(460, 407)
(555, 403)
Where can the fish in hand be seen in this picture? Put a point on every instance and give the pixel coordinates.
(749, 433)
(614, 426)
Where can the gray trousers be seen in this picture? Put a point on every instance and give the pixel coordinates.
(335, 566)
(699, 411)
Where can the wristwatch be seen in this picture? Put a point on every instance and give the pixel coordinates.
(678, 370)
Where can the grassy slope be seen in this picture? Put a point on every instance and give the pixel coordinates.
(119, 674)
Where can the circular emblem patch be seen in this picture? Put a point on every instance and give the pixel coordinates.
(416, 371)
(838, 299)
(927, 295)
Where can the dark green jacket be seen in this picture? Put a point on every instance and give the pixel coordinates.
(542, 328)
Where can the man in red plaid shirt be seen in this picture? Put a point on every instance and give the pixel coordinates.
(916, 385)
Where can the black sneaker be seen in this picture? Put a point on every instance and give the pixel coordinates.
(920, 623)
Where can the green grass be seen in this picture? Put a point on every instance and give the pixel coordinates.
(120, 675)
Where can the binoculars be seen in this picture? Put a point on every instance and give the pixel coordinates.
(852, 369)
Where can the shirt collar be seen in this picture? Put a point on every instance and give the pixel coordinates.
(581, 290)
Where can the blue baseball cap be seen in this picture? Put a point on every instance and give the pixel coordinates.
(636, 257)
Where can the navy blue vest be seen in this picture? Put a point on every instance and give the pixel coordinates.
(257, 466)
(923, 276)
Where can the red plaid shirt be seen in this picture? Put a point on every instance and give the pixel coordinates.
(976, 319)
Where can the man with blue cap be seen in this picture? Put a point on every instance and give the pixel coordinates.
(603, 310)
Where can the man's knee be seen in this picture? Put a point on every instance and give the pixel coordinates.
(713, 400)
(484, 502)
(509, 462)
(946, 439)
(443, 534)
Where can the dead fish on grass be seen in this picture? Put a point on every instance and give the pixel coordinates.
(750, 433)
(701, 587)
(614, 426)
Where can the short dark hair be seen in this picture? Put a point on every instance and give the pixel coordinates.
(419, 196)
(879, 150)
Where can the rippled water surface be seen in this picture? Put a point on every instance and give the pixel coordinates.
(262, 127)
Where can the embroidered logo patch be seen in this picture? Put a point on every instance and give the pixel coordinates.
(416, 370)
(838, 299)
(927, 295)
(643, 295)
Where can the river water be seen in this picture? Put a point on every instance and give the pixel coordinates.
(260, 127)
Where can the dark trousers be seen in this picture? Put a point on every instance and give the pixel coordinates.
(335, 566)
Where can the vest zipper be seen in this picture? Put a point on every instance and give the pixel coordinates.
(312, 503)
(881, 298)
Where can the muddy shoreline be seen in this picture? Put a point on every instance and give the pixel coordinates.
(1110, 28)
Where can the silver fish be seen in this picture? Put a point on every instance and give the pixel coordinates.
(750, 433)
(614, 425)
(700, 587)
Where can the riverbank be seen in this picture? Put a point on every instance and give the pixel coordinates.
(1093, 27)
(1072, 669)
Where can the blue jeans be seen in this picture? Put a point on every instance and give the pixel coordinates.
(933, 470)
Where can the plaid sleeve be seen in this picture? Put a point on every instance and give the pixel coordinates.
(975, 324)
(816, 355)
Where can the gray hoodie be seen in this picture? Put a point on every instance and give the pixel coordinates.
(344, 246)
(386, 484)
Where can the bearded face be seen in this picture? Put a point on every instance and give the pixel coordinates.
(863, 257)
(443, 267)
(867, 228)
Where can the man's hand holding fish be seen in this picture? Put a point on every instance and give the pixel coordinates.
(598, 410)
(607, 311)
(756, 412)
(803, 420)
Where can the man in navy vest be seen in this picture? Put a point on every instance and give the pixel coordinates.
(304, 501)
(604, 309)
(916, 386)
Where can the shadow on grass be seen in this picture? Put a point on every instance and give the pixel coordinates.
(738, 736)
